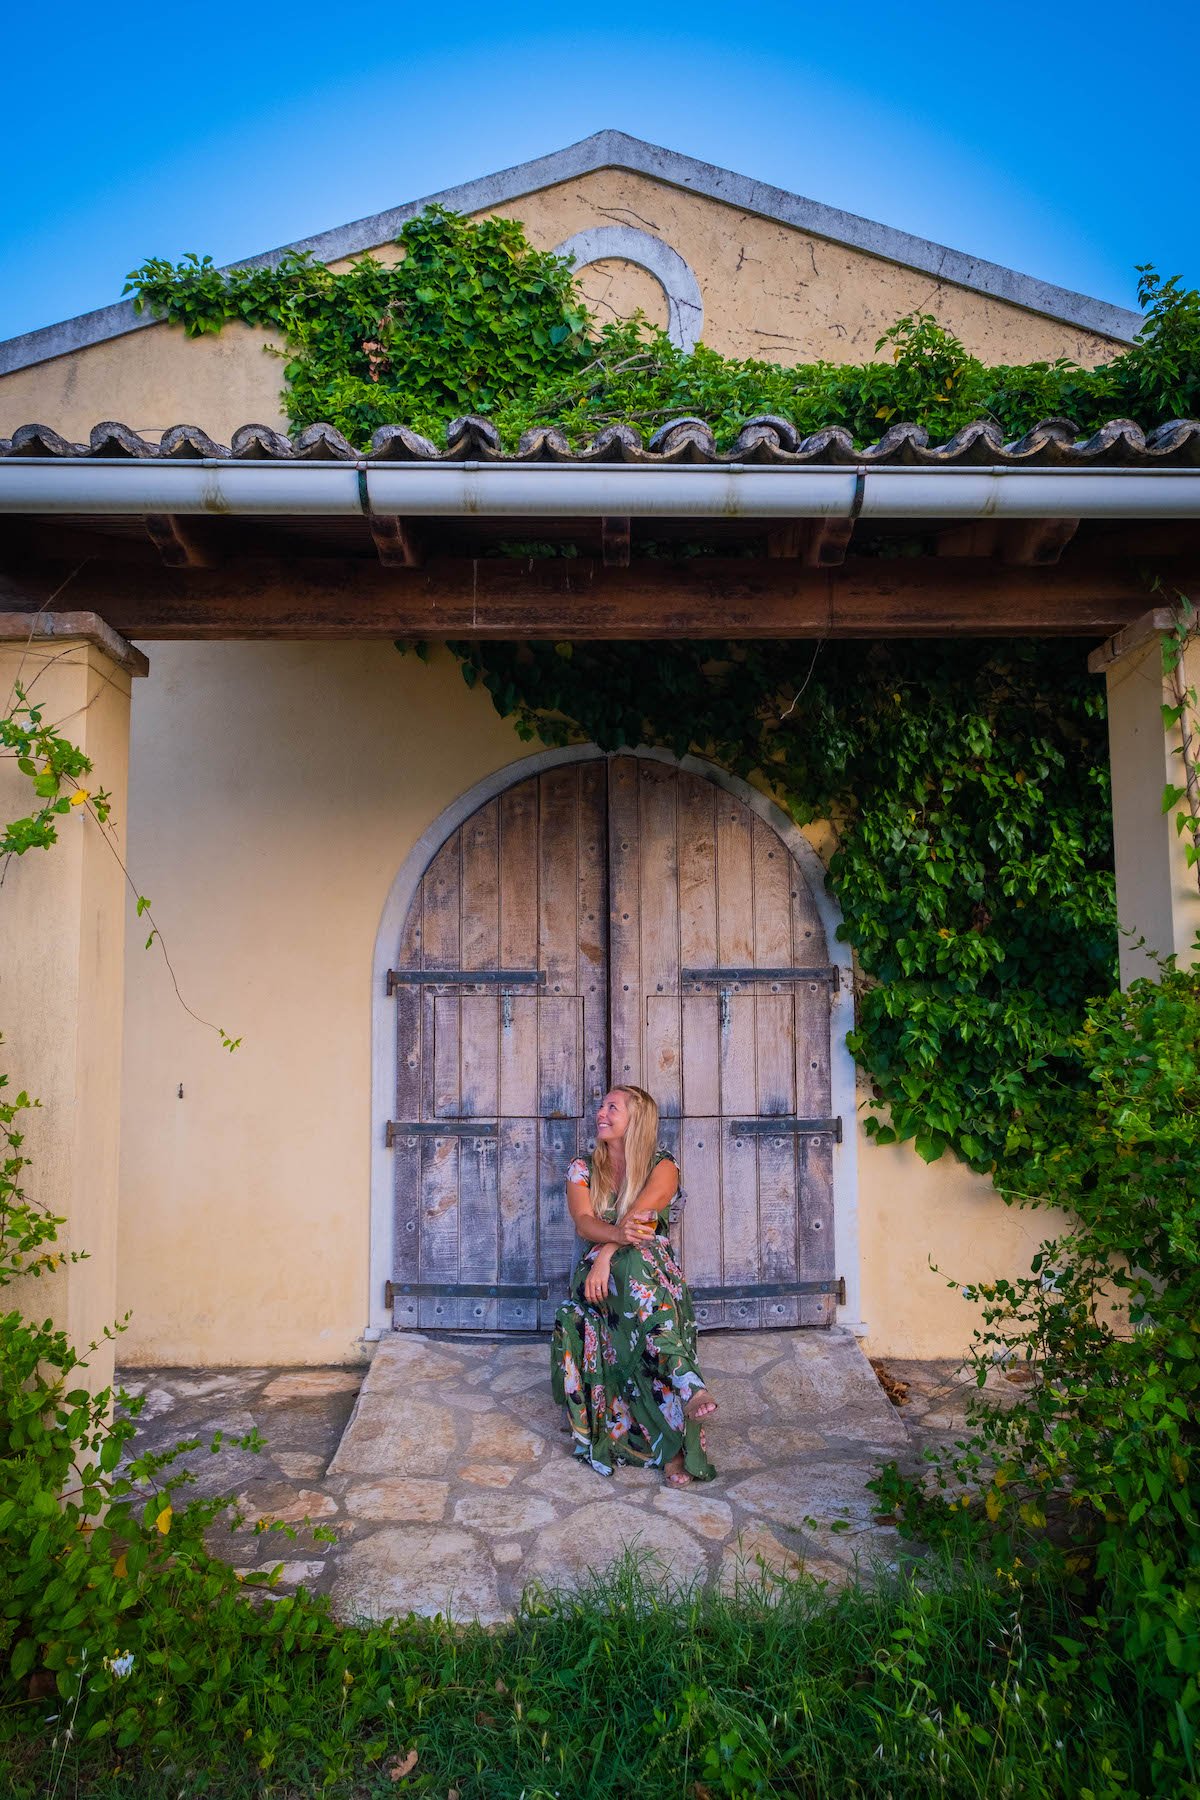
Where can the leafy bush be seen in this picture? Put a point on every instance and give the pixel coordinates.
(472, 319)
(1094, 1472)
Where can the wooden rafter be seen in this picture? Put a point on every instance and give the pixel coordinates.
(614, 543)
(397, 543)
(183, 543)
(1036, 543)
(817, 543)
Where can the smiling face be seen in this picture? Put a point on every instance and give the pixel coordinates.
(612, 1117)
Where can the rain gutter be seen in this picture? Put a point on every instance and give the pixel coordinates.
(496, 490)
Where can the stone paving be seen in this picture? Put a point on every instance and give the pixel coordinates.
(446, 1474)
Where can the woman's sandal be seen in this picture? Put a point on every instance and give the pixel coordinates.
(700, 1406)
(679, 1477)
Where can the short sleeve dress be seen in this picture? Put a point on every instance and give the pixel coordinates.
(626, 1369)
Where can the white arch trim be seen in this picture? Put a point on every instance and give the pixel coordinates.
(676, 278)
(383, 1018)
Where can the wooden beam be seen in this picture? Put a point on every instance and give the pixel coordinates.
(614, 543)
(817, 543)
(1036, 543)
(563, 598)
(182, 542)
(397, 544)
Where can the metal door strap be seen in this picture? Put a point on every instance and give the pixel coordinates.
(461, 1290)
(774, 1290)
(397, 978)
(783, 1127)
(402, 1128)
(823, 972)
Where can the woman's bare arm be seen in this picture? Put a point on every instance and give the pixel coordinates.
(661, 1188)
(631, 1230)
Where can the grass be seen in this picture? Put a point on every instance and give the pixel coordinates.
(961, 1686)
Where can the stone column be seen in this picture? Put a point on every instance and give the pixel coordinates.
(62, 949)
(1158, 896)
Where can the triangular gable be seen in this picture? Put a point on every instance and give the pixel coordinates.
(614, 150)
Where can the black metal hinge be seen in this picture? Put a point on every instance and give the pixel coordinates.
(397, 978)
(787, 1128)
(823, 972)
(462, 1290)
(401, 1128)
(774, 1290)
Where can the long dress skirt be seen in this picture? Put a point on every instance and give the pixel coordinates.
(626, 1369)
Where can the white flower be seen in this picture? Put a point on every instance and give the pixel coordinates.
(119, 1665)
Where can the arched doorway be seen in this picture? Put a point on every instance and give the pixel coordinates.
(604, 920)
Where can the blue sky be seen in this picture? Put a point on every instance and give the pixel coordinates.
(1055, 138)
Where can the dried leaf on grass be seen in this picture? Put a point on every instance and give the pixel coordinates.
(895, 1389)
(403, 1765)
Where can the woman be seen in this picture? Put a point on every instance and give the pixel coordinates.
(624, 1348)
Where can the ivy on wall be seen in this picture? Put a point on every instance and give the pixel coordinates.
(473, 319)
(968, 786)
(968, 782)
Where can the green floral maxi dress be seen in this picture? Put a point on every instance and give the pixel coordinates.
(626, 1369)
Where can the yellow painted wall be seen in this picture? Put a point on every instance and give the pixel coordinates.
(769, 291)
(276, 789)
(62, 947)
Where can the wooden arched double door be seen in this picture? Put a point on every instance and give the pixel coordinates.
(606, 921)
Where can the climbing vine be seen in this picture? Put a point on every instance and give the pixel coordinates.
(967, 784)
(472, 319)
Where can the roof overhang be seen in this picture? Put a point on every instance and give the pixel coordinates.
(778, 537)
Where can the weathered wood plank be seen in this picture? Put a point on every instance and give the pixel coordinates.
(518, 1056)
(778, 1206)
(739, 1224)
(447, 1056)
(817, 1249)
(701, 1050)
(560, 1031)
(592, 978)
(624, 932)
(696, 808)
(518, 876)
(441, 889)
(517, 1185)
(479, 1055)
(772, 868)
(664, 1053)
(735, 885)
(558, 878)
(739, 1084)
(812, 1046)
(658, 886)
(700, 1164)
(479, 1229)
(481, 889)
(556, 1230)
(406, 1257)
(407, 1001)
(439, 1228)
(575, 598)
(775, 1054)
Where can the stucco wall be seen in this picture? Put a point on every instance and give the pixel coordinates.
(275, 791)
(769, 291)
(61, 984)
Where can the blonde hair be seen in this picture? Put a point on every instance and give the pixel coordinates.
(641, 1141)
